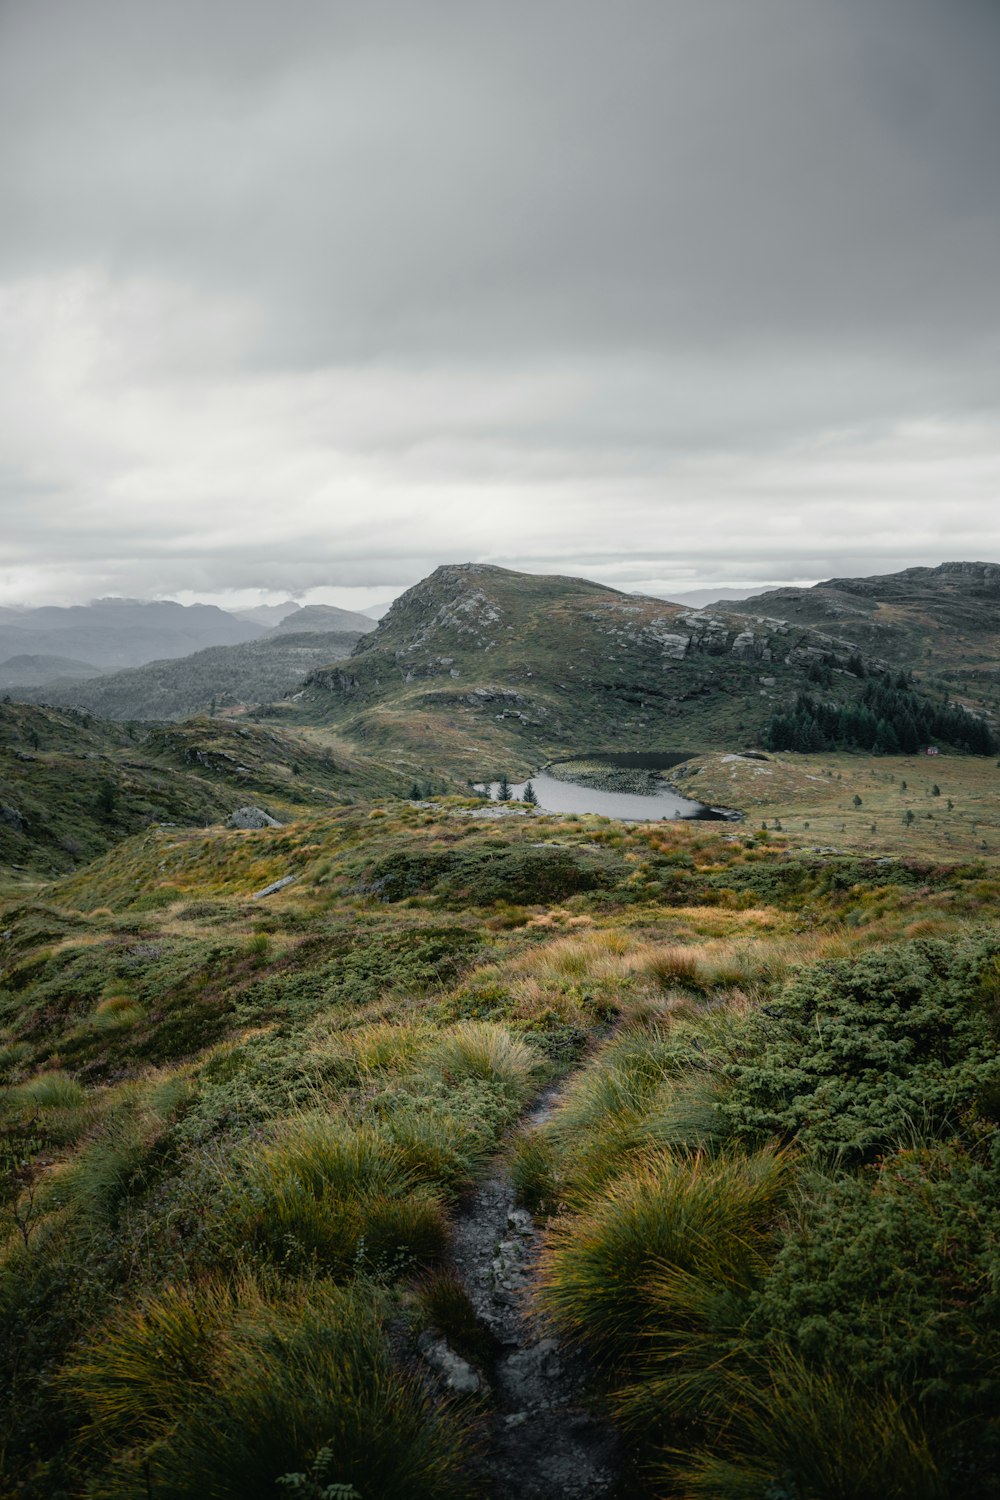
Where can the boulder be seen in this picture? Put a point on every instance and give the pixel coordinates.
(252, 817)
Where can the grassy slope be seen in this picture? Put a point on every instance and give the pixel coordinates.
(72, 786)
(167, 1044)
(812, 796)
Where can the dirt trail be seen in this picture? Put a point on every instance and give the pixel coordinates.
(543, 1442)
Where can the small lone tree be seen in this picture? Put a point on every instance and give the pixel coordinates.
(529, 795)
(503, 789)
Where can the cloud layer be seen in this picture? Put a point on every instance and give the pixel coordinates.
(322, 294)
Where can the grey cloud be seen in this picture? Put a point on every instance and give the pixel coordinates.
(488, 179)
(331, 273)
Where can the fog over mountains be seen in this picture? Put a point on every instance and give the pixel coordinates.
(112, 633)
(58, 644)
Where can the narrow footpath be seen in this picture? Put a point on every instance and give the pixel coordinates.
(543, 1440)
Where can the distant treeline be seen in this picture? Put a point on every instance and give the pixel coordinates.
(889, 718)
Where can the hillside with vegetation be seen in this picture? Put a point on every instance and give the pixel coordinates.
(72, 786)
(252, 1142)
(942, 624)
(478, 662)
(325, 617)
(421, 1147)
(219, 678)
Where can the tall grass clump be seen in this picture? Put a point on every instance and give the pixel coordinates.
(115, 1166)
(653, 1085)
(117, 1012)
(54, 1090)
(441, 1149)
(807, 1432)
(333, 1197)
(485, 1053)
(248, 1390)
(713, 1219)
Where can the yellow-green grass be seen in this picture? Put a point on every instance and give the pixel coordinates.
(295, 1099)
(812, 797)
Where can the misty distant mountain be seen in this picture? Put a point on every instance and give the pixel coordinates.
(376, 611)
(22, 671)
(220, 677)
(114, 633)
(268, 615)
(319, 617)
(699, 598)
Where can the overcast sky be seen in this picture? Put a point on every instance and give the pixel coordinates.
(313, 296)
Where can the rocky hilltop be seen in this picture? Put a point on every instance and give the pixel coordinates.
(930, 619)
(478, 659)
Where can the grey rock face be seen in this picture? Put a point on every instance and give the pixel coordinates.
(276, 885)
(252, 817)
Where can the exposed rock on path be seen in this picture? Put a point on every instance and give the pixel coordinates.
(543, 1441)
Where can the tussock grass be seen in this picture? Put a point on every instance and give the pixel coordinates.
(815, 1432)
(338, 1198)
(54, 1090)
(114, 1166)
(220, 1390)
(664, 1222)
(439, 1148)
(488, 1053)
(446, 1306)
(117, 1011)
(383, 1047)
(534, 1171)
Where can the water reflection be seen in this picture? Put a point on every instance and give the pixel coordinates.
(567, 797)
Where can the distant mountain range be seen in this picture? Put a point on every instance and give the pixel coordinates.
(698, 598)
(112, 633)
(26, 671)
(54, 646)
(268, 615)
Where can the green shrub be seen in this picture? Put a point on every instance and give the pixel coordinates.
(895, 1275)
(859, 1052)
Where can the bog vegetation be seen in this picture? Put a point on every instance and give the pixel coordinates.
(237, 1131)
